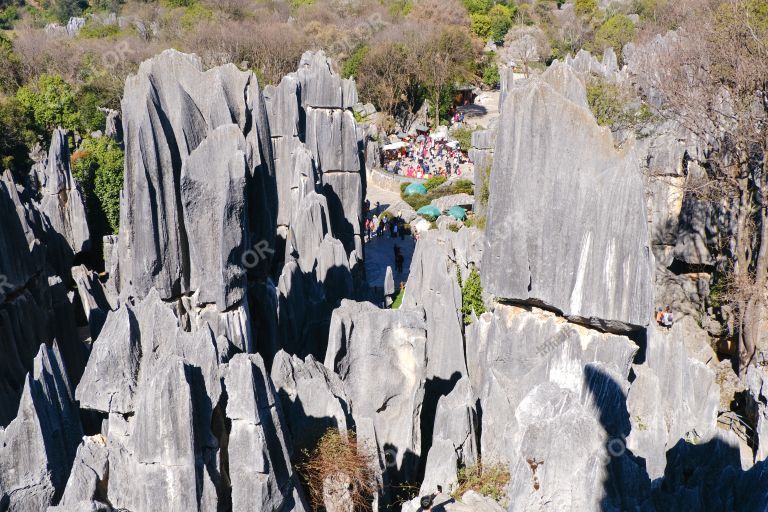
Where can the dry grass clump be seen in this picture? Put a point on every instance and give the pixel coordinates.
(336, 454)
(487, 479)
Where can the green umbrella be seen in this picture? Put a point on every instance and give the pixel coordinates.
(429, 211)
(457, 212)
(415, 188)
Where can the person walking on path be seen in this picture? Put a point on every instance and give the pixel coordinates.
(399, 260)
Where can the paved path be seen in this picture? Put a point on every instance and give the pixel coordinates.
(379, 252)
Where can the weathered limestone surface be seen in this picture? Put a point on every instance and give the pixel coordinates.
(312, 397)
(37, 448)
(566, 220)
(380, 356)
(61, 201)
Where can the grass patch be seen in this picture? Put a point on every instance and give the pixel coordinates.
(487, 479)
(398, 299)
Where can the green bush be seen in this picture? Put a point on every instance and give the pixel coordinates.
(491, 76)
(617, 31)
(400, 8)
(607, 103)
(462, 186)
(97, 165)
(478, 222)
(96, 30)
(481, 25)
(501, 21)
(50, 103)
(471, 295)
(586, 8)
(352, 64)
(65, 9)
(464, 137)
(434, 182)
(194, 15)
(478, 6)
(8, 15)
(398, 299)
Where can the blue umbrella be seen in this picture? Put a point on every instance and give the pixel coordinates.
(457, 212)
(429, 211)
(415, 188)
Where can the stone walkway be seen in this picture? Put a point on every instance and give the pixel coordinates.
(379, 252)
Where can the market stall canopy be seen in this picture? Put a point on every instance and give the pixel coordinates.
(395, 146)
(457, 212)
(415, 189)
(453, 144)
(438, 136)
(421, 128)
(429, 211)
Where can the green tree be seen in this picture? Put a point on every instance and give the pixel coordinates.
(501, 20)
(491, 76)
(65, 9)
(478, 6)
(50, 102)
(481, 25)
(617, 31)
(97, 166)
(586, 8)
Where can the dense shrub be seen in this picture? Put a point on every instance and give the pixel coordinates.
(464, 137)
(471, 296)
(462, 186)
(98, 167)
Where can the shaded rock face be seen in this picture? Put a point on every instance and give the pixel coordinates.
(673, 397)
(312, 396)
(37, 448)
(35, 308)
(380, 356)
(566, 220)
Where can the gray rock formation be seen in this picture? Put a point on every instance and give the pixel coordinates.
(312, 398)
(61, 200)
(552, 395)
(673, 397)
(381, 358)
(433, 285)
(171, 107)
(93, 298)
(454, 438)
(259, 456)
(566, 220)
(86, 488)
(37, 448)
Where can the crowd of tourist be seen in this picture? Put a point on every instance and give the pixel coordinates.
(425, 157)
